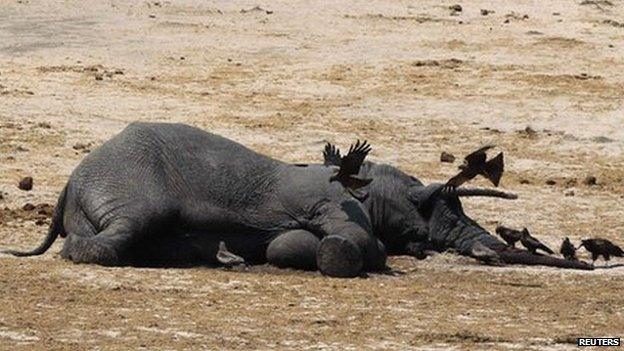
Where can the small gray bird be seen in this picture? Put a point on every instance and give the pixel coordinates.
(532, 244)
(568, 250)
(601, 247)
(511, 236)
(228, 259)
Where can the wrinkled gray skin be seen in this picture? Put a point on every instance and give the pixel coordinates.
(163, 194)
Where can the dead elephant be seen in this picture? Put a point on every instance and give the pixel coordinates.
(170, 193)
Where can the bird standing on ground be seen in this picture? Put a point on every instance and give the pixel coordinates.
(475, 164)
(532, 244)
(601, 247)
(349, 164)
(568, 250)
(511, 236)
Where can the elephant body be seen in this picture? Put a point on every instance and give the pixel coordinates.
(170, 193)
(162, 194)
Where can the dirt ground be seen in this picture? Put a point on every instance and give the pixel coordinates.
(542, 80)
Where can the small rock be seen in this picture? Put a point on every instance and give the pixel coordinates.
(118, 71)
(80, 146)
(485, 12)
(525, 181)
(40, 221)
(556, 14)
(44, 125)
(99, 77)
(45, 209)
(152, 16)
(530, 130)
(447, 157)
(590, 180)
(456, 8)
(569, 192)
(28, 207)
(20, 148)
(26, 184)
(551, 182)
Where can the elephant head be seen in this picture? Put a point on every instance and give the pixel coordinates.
(404, 211)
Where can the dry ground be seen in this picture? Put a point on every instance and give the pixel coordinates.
(283, 78)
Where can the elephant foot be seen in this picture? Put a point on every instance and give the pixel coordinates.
(89, 250)
(294, 249)
(339, 257)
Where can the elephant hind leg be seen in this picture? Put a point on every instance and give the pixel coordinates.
(106, 248)
(294, 249)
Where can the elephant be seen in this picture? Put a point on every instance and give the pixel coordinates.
(161, 193)
(410, 218)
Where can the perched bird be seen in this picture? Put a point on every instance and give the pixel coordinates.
(532, 244)
(349, 164)
(601, 247)
(511, 236)
(475, 164)
(228, 259)
(568, 250)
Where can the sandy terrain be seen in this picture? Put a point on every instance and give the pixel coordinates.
(412, 77)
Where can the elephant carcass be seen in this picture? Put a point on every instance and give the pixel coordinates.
(170, 193)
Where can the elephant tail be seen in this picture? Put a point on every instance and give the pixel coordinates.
(56, 228)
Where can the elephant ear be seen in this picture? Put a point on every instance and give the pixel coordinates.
(421, 195)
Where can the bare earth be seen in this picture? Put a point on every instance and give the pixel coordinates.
(284, 78)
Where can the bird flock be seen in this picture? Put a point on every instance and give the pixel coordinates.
(476, 163)
(596, 246)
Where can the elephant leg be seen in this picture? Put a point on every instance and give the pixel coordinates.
(349, 247)
(294, 249)
(106, 248)
(340, 257)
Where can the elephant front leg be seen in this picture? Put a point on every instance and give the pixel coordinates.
(334, 255)
(294, 249)
(348, 247)
(340, 257)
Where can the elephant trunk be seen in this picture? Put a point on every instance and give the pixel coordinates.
(449, 227)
